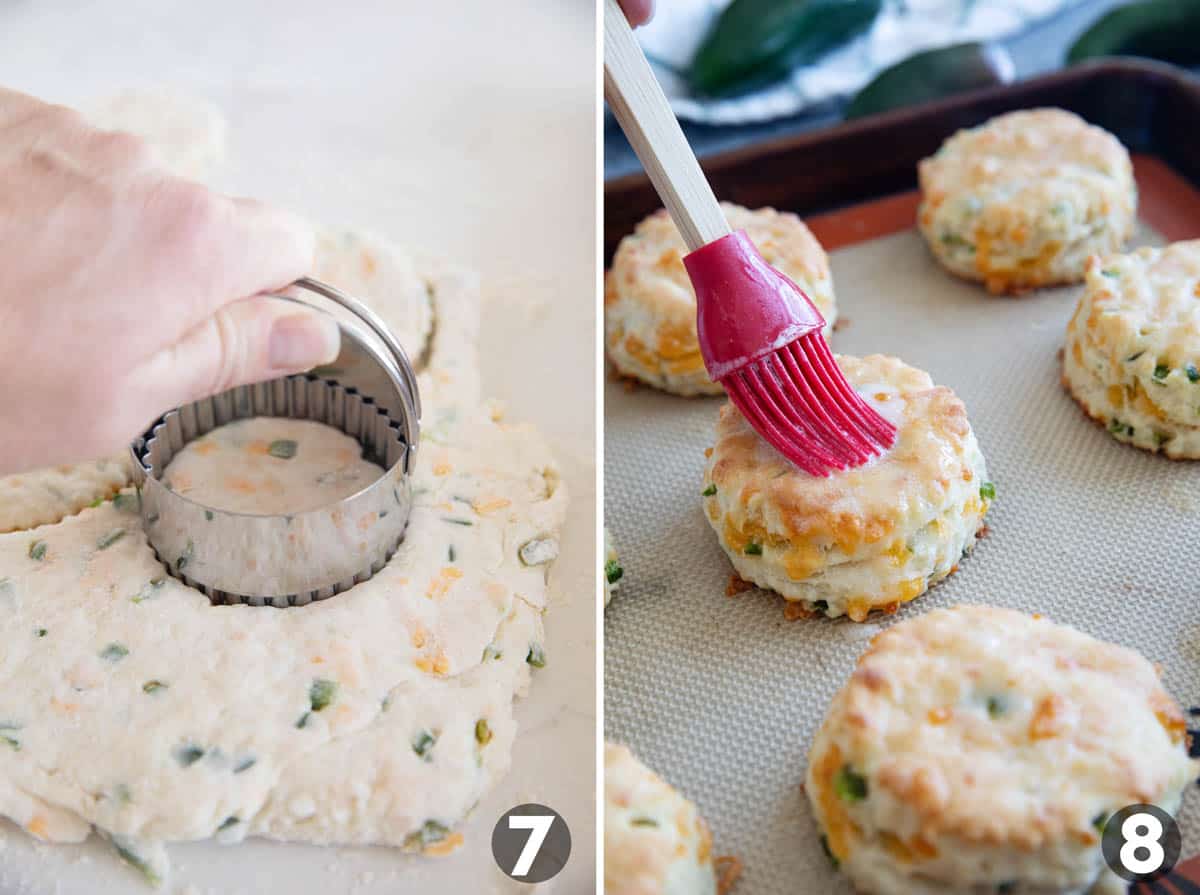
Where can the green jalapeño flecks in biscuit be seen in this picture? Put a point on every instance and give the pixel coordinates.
(873, 537)
(612, 570)
(650, 308)
(655, 841)
(981, 750)
(1025, 199)
(1132, 357)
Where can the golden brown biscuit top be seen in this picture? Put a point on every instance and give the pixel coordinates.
(998, 727)
(1023, 149)
(905, 488)
(1146, 303)
(655, 842)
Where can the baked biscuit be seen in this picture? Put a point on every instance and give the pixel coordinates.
(981, 750)
(1025, 199)
(655, 841)
(1132, 357)
(650, 308)
(873, 537)
(612, 568)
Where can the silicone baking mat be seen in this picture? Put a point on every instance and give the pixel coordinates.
(722, 695)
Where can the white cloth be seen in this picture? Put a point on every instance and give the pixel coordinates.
(904, 27)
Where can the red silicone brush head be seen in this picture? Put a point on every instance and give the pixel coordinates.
(761, 339)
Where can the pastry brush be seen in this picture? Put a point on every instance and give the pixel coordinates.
(759, 334)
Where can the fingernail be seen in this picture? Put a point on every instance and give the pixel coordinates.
(302, 341)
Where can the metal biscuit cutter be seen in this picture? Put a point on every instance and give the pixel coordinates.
(369, 393)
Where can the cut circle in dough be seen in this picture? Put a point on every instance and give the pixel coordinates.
(270, 466)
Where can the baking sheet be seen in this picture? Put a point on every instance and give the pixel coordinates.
(722, 695)
(396, 119)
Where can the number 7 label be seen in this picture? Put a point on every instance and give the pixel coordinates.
(539, 825)
(531, 843)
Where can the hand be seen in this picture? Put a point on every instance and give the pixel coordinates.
(639, 12)
(125, 291)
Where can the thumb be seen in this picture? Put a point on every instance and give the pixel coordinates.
(243, 342)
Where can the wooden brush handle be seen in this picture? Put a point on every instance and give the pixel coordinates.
(640, 108)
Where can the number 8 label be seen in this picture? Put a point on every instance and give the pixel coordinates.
(1141, 843)
(1142, 833)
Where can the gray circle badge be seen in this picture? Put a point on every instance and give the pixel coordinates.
(1141, 843)
(531, 843)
